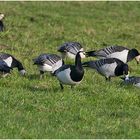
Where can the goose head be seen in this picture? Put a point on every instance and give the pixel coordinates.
(135, 55)
(1, 16)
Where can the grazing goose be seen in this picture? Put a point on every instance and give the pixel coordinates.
(4, 68)
(132, 80)
(119, 52)
(1, 22)
(12, 62)
(109, 67)
(70, 49)
(71, 74)
(48, 62)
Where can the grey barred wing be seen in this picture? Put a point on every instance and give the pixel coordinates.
(72, 47)
(110, 50)
(49, 59)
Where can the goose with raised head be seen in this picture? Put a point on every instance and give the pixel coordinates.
(109, 67)
(70, 49)
(122, 53)
(71, 74)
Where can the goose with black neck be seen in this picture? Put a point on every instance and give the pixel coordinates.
(71, 74)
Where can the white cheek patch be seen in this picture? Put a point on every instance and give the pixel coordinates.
(1, 16)
(8, 61)
(82, 53)
(137, 58)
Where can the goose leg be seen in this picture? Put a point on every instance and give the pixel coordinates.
(108, 78)
(41, 74)
(61, 86)
(72, 87)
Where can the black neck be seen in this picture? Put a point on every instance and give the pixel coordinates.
(20, 66)
(132, 54)
(17, 64)
(78, 63)
(121, 69)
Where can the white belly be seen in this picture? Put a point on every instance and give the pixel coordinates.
(108, 70)
(45, 67)
(64, 77)
(119, 55)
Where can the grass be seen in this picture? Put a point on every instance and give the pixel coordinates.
(34, 108)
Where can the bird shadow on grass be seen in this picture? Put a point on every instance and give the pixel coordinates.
(41, 89)
(44, 88)
(33, 76)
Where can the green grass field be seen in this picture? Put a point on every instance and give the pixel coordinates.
(34, 108)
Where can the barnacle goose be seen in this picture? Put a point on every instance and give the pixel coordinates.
(1, 22)
(122, 53)
(4, 68)
(71, 74)
(48, 62)
(70, 49)
(12, 62)
(133, 80)
(109, 67)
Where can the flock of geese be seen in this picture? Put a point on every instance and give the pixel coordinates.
(112, 61)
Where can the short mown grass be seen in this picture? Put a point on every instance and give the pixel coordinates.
(34, 108)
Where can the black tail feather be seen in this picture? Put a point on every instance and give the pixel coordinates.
(85, 64)
(90, 53)
(90, 64)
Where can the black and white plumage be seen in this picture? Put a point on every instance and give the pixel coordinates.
(1, 22)
(122, 53)
(133, 80)
(4, 68)
(48, 62)
(12, 62)
(109, 67)
(70, 49)
(71, 74)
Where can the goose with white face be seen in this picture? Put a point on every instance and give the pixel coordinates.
(110, 67)
(122, 53)
(70, 74)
